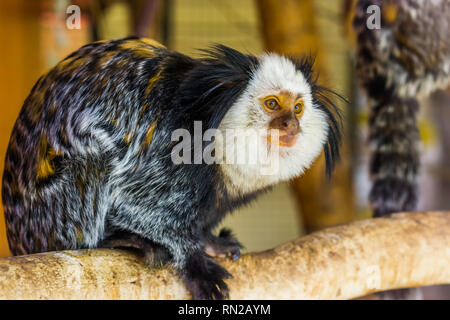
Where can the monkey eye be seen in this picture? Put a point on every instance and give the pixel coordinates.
(298, 108)
(271, 104)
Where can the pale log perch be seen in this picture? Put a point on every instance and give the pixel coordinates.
(349, 261)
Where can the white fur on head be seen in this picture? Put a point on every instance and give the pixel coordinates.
(274, 74)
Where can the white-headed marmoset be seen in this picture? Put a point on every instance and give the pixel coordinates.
(89, 160)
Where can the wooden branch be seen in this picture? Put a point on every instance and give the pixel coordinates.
(348, 261)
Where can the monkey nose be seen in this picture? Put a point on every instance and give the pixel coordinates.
(290, 126)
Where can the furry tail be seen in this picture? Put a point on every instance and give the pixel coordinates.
(385, 74)
(394, 166)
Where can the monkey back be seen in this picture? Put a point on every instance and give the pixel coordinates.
(86, 126)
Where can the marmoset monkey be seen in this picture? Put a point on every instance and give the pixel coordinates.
(89, 163)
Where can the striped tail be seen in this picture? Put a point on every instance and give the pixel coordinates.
(394, 166)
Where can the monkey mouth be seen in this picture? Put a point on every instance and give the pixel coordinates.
(285, 139)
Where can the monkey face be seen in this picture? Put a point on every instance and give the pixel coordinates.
(285, 110)
(278, 96)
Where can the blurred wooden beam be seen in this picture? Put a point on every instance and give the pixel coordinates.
(342, 262)
(290, 27)
(148, 18)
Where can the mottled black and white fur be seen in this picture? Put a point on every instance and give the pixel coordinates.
(407, 58)
(89, 165)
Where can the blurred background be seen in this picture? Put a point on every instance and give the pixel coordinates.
(36, 34)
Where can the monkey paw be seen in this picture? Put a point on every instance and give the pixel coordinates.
(204, 278)
(223, 245)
